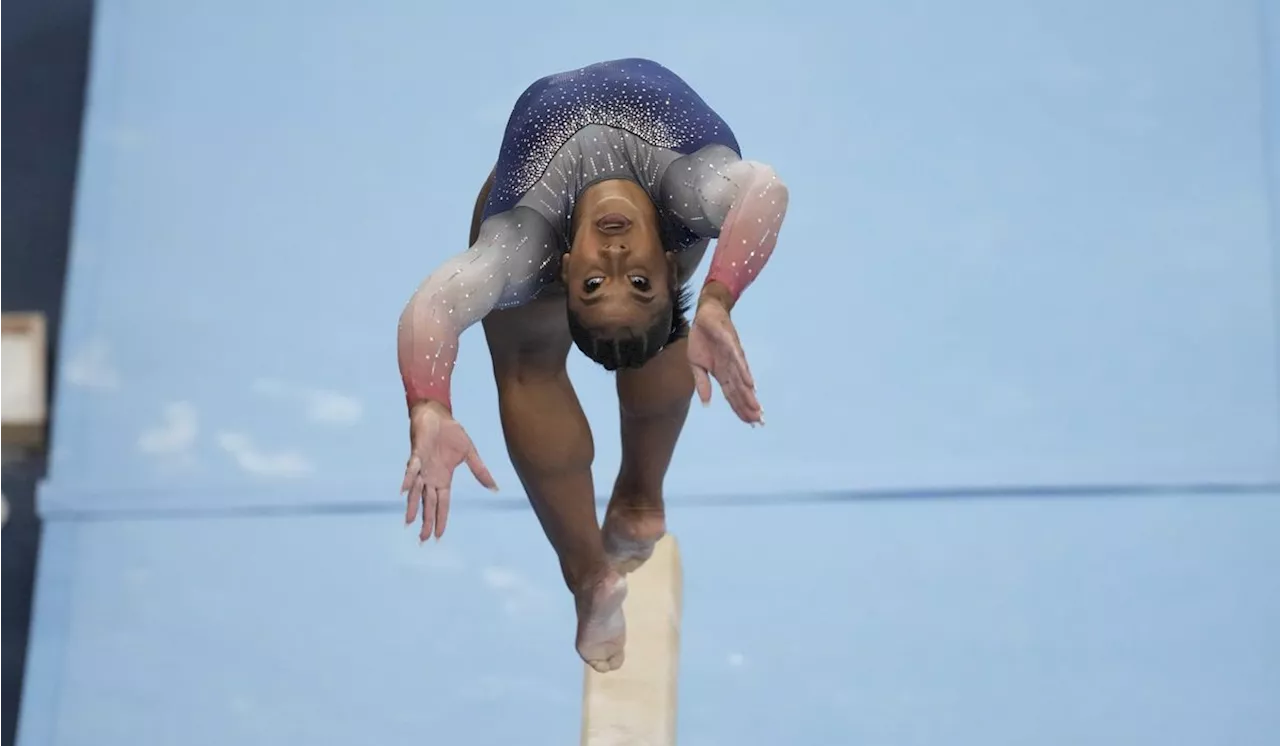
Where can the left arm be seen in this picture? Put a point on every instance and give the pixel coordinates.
(749, 230)
(742, 203)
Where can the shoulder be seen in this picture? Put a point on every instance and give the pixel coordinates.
(714, 175)
(519, 249)
(702, 164)
(694, 181)
(518, 228)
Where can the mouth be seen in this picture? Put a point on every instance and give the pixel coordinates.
(613, 223)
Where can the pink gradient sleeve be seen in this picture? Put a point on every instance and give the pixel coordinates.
(507, 265)
(457, 295)
(750, 228)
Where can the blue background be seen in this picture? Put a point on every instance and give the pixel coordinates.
(1030, 251)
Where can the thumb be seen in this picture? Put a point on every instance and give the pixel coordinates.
(703, 384)
(480, 471)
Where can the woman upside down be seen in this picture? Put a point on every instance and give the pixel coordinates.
(610, 183)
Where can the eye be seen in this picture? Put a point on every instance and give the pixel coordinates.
(592, 284)
(639, 283)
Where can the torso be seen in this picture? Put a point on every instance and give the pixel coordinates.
(626, 119)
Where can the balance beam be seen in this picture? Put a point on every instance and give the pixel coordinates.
(636, 704)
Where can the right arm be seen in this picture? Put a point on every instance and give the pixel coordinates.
(459, 293)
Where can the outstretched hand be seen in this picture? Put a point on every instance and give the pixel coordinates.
(438, 446)
(715, 351)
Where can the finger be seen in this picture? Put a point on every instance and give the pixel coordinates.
(740, 360)
(742, 379)
(754, 413)
(410, 471)
(428, 513)
(414, 498)
(744, 384)
(411, 509)
(442, 511)
(480, 471)
(702, 382)
(742, 399)
(738, 403)
(739, 398)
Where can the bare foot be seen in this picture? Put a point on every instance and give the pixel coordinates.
(602, 629)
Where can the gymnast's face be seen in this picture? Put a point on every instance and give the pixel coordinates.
(617, 275)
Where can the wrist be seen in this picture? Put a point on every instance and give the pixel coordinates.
(714, 291)
(418, 405)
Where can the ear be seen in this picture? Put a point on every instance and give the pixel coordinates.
(564, 268)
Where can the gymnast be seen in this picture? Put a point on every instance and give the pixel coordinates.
(610, 183)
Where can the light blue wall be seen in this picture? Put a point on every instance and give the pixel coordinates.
(1030, 244)
(1029, 241)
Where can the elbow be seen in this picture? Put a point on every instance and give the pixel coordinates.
(404, 324)
(766, 197)
(761, 182)
(772, 186)
(404, 338)
(411, 306)
(415, 318)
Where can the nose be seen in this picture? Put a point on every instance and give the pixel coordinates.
(613, 257)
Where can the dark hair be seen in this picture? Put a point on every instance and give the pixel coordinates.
(626, 349)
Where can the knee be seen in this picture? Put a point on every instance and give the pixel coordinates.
(656, 394)
(671, 402)
(522, 367)
(527, 346)
(522, 358)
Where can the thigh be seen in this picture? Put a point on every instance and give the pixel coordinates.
(663, 386)
(529, 342)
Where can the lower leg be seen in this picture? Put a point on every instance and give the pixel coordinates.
(551, 448)
(653, 403)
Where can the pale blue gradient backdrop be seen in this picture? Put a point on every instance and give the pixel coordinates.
(1030, 244)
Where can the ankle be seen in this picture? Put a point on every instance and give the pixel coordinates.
(636, 491)
(585, 579)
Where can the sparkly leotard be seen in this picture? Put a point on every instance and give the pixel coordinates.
(626, 119)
